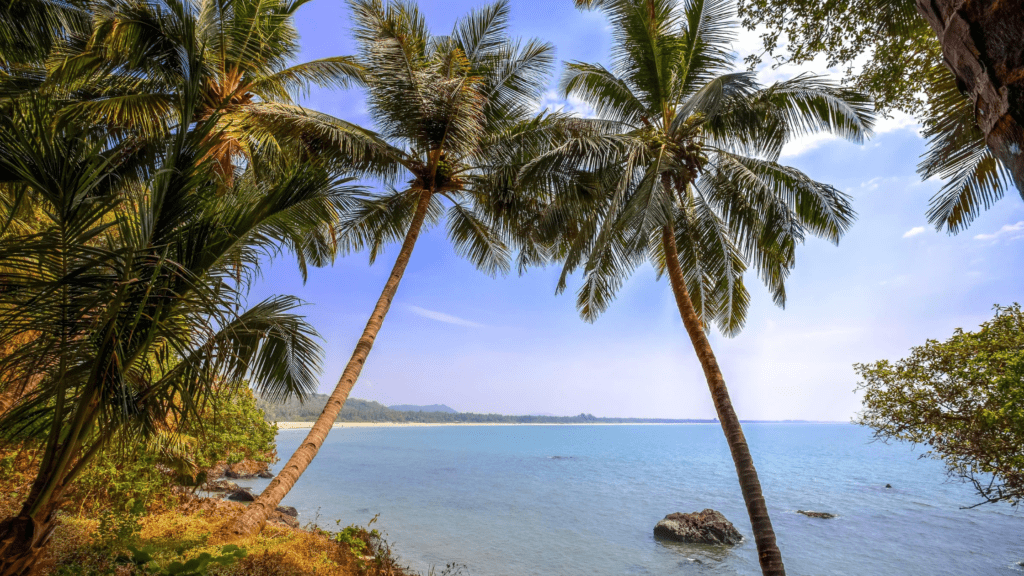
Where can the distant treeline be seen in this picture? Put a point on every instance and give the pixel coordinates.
(357, 410)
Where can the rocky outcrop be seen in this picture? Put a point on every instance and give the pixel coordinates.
(219, 486)
(248, 469)
(813, 514)
(707, 527)
(242, 495)
(286, 516)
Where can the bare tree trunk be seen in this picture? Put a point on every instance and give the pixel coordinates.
(255, 516)
(764, 535)
(983, 44)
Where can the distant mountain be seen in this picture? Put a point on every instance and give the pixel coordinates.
(357, 410)
(431, 408)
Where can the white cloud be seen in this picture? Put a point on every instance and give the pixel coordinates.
(1008, 229)
(803, 144)
(914, 232)
(552, 102)
(442, 317)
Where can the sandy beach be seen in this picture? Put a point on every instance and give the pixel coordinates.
(308, 425)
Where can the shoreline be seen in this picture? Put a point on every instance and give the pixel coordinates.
(309, 425)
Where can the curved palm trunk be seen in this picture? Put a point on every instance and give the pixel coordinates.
(255, 516)
(767, 550)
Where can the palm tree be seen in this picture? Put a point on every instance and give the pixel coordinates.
(456, 114)
(681, 170)
(133, 285)
(120, 72)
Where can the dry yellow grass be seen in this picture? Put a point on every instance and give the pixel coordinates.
(188, 530)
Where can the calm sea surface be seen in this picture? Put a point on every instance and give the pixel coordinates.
(532, 500)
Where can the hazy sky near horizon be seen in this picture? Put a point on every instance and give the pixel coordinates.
(509, 345)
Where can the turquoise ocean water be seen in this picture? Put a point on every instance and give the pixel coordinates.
(531, 500)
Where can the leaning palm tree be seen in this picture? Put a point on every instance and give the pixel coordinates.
(132, 286)
(681, 170)
(456, 116)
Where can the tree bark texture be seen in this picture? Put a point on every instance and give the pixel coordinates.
(255, 516)
(764, 535)
(23, 538)
(983, 44)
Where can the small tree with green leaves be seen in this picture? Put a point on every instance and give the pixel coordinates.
(963, 399)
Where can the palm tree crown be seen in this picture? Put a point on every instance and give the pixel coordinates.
(457, 118)
(682, 141)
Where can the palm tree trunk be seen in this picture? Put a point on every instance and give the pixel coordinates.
(767, 550)
(255, 516)
(23, 538)
(983, 45)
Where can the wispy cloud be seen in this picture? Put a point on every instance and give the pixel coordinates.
(913, 232)
(442, 317)
(1008, 229)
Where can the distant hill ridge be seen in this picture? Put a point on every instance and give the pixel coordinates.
(431, 408)
(357, 410)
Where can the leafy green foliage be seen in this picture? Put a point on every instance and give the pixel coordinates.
(145, 559)
(890, 52)
(963, 399)
(231, 428)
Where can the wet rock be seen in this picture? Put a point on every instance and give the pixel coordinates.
(284, 519)
(264, 474)
(242, 495)
(707, 527)
(288, 511)
(813, 514)
(888, 485)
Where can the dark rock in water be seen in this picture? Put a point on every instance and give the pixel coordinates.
(813, 514)
(264, 474)
(242, 495)
(888, 485)
(288, 511)
(707, 527)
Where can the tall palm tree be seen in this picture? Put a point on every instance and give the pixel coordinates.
(681, 170)
(456, 116)
(133, 285)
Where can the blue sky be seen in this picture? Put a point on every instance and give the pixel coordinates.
(509, 345)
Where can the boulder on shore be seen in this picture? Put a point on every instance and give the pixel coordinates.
(220, 486)
(707, 527)
(288, 511)
(242, 495)
(813, 514)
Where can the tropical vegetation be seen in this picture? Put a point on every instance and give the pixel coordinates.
(155, 155)
(681, 170)
(128, 246)
(962, 399)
